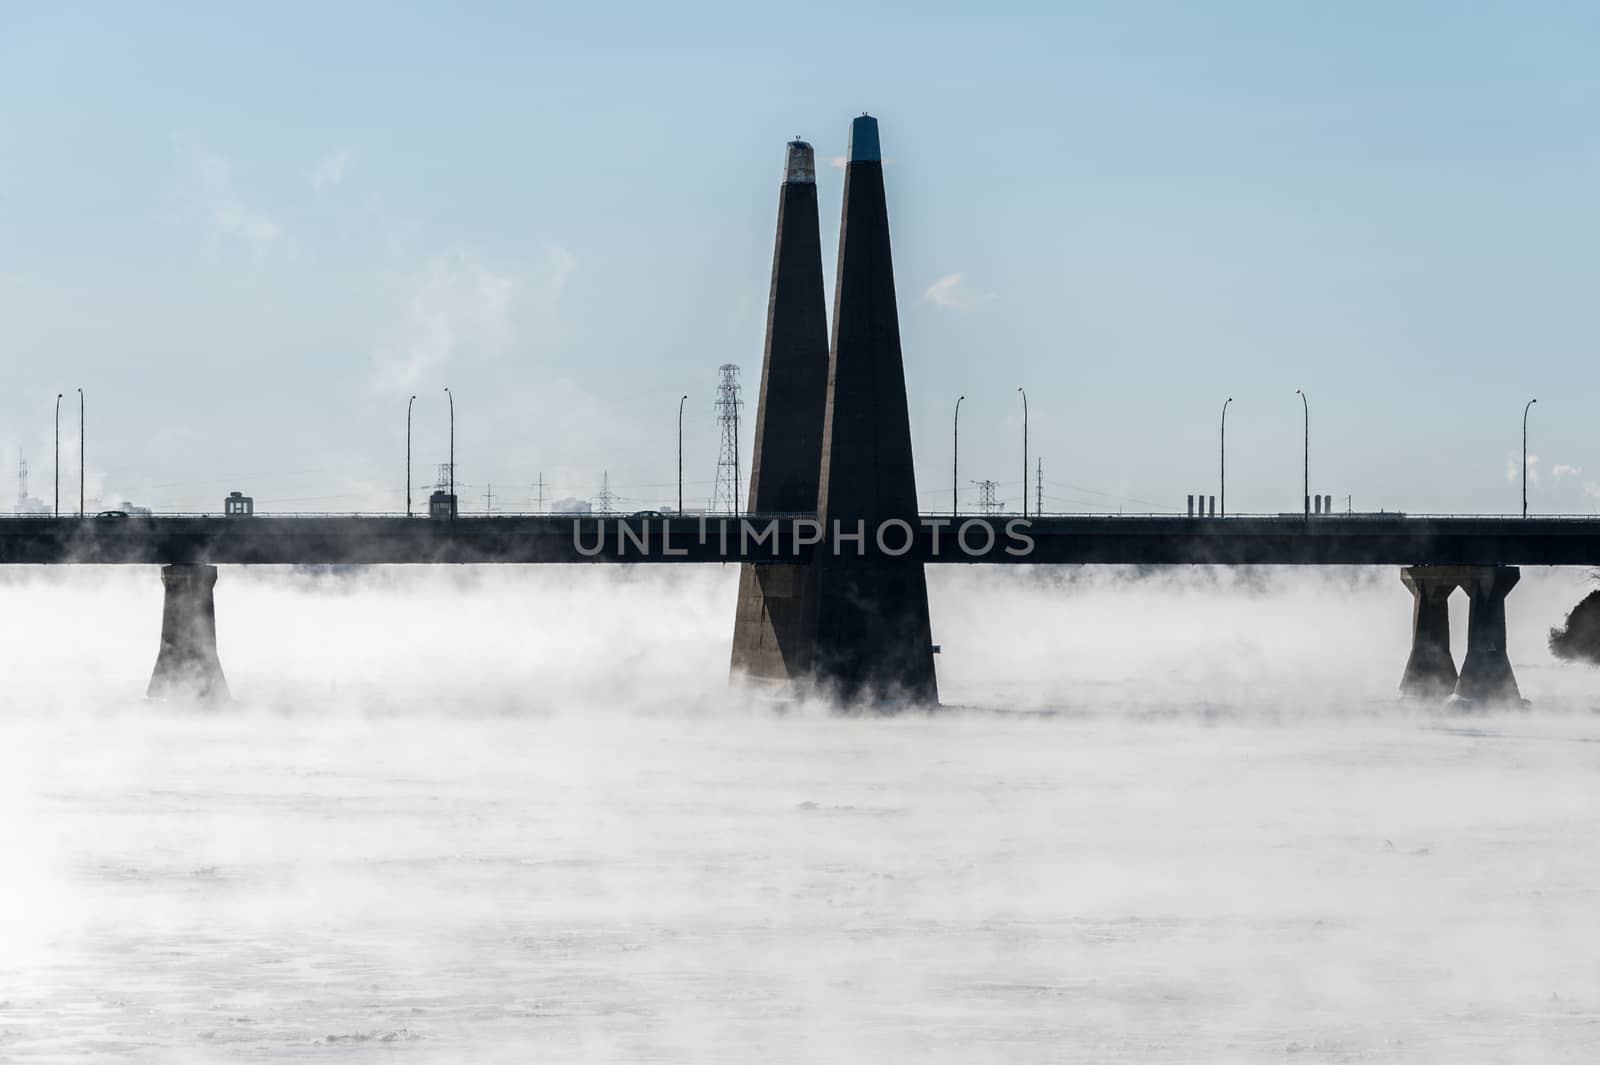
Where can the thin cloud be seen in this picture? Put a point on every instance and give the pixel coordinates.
(1512, 471)
(228, 214)
(1561, 470)
(330, 169)
(456, 302)
(951, 293)
(550, 279)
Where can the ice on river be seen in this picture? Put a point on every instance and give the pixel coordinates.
(516, 815)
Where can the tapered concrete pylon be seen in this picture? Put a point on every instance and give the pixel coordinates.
(874, 641)
(1486, 674)
(1430, 671)
(187, 666)
(771, 635)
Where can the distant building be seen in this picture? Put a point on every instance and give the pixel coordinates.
(26, 504)
(571, 506)
(239, 505)
(133, 511)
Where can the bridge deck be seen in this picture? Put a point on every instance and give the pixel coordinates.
(370, 540)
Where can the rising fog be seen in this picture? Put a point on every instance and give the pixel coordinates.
(507, 814)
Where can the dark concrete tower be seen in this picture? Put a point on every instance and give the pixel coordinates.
(873, 637)
(771, 638)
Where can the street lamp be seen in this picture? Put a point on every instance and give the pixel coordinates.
(1222, 457)
(1307, 482)
(681, 401)
(80, 452)
(955, 453)
(1024, 453)
(409, 402)
(1530, 403)
(58, 454)
(452, 399)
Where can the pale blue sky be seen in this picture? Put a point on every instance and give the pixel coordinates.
(251, 233)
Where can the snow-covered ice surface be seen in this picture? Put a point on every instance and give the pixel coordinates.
(516, 815)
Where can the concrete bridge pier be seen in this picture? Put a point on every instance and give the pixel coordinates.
(1430, 671)
(872, 631)
(774, 633)
(187, 666)
(1486, 673)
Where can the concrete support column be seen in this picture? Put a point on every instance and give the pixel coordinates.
(1486, 673)
(187, 666)
(774, 639)
(1430, 671)
(873, 638)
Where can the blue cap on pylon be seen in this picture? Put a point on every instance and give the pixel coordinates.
(864, 140)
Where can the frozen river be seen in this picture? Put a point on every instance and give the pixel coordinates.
(517, 816)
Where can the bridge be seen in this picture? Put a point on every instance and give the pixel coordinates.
(1437, 555)
(832, 585)
(790, 539)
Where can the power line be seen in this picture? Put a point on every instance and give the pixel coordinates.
(1112, 495)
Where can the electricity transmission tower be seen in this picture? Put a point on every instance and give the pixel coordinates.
(606, 499)
(987, 504)
(1038, 499)
(728, 406)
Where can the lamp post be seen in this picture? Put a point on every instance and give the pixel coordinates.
(80, 452)
(409, 402)
(1222, 458)
(58, 454)
(955, 455)
(1306, 495)
(1525, 407)
(1024, 453)
(681, 401)
(451, 396)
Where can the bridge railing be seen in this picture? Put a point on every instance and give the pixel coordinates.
(768, 516)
